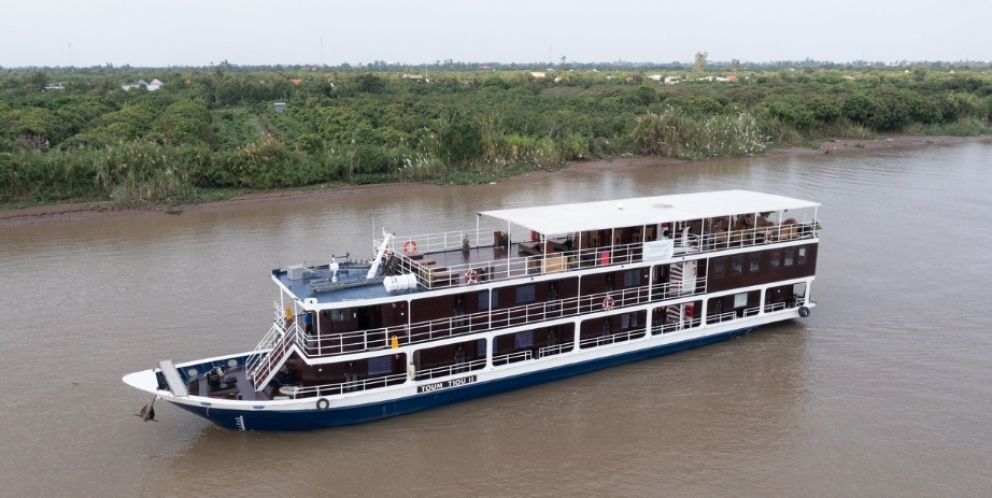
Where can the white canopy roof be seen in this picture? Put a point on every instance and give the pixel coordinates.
(567, 218)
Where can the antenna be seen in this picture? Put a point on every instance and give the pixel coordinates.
(321, 51)
(70, 54)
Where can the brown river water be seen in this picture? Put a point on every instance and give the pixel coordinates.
(886, 390)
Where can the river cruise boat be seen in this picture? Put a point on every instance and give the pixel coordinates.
(526, 296)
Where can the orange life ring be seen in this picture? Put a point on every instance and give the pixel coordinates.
(409, 247)
(608, 303)
(471, 277)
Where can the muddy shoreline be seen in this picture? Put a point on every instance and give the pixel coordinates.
(68, 212)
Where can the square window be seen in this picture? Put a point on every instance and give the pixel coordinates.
(523, 339)
(631, 278)
(488, 300)
(790, 256)
(624, 321)
(526, 294)
(737, 264)
(719, 267)
(480, 348)
(340, 315)
(755, 262)
(802, 256)
(381, 365)
(774, 260)
(740, 300)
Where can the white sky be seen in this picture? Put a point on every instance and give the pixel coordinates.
(185, 32)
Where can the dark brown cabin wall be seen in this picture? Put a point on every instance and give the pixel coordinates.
(393, 314)
(430, 308)
(764, 275)
(593, 284)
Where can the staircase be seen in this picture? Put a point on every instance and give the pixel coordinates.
(273, 350)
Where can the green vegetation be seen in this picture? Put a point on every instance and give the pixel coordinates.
(210, 131)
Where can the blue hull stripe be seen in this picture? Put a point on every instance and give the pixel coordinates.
(273, 420)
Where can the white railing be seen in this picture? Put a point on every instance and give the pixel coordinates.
(352, 386)
(676, 326)
(443, 241)
(770, 308)
(520, 266)
(373, 339)
(752, 311)
(506, 359)
(612, 338)
(445, 371)
(722, 317)
(555, 349)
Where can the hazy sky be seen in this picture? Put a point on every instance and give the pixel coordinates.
(184, 32)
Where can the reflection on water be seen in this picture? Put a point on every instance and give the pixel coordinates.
(884, 390)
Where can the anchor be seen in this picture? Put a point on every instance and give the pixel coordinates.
(148, 412)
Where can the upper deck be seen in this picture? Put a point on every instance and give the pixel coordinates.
(569, 237)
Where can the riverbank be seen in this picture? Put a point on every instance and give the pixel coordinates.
(68, 212)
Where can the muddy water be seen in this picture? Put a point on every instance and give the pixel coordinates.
(886, 390)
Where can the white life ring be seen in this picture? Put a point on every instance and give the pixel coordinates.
(608, 303)
(471, 277)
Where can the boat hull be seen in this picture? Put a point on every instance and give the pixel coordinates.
(297, 420)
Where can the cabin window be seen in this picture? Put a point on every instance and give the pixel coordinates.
(631, 278)
(488, 300)
(740, 300)
(523, 339)
(774, 260)
(755, 262)
(719, 267)
(790, 256)
(480, 348)
(628, 320)
(526, 294)
(340, 315)
(737, 264)
(802, 256)
(380, 366)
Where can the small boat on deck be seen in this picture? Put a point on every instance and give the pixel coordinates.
(527, 296)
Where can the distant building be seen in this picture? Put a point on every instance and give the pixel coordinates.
(296, 81)
(151, 87)
(537, 74)
(414, 77)
(280, 107)
(54, 86)
(671, 80)
(656, 77)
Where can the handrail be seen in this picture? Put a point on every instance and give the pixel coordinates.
(448, 370)
(506, 359)
(722, 317)
(555, 349)
(352, 386)
(509, 268)
(676, 326)
(430, 330)
(612, 338)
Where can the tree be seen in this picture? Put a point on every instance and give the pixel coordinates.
(700, 64)
(735, 64)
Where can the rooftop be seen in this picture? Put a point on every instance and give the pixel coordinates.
(641, 211)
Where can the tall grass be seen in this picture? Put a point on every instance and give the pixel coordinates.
(674, 133)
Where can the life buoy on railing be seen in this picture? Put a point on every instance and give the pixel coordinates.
(409, 247)
(768, 236)
(323, 404)
(803, 311)
(471, 277)
(608, 303)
